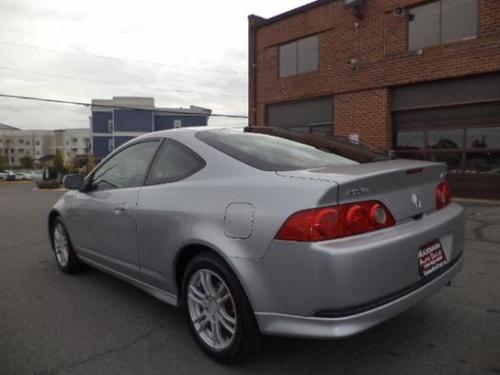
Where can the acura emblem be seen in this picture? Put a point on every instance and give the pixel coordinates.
(415, 199)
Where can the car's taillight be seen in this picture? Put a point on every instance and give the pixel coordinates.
(326, 223)
(443, 195)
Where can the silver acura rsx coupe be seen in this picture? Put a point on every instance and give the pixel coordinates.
(262, 230)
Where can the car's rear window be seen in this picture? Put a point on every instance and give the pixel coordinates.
(270, 152)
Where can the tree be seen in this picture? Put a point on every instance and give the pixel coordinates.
(3, 162)
(58, 163)
(90, 163)
(27, 162)
(73, 164)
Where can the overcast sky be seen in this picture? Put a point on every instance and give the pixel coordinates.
(181, 53)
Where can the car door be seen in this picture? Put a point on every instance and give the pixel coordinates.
(102, 221)
(161, 222)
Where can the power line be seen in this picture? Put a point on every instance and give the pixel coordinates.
(180, 91)
(175, 66)
(179, 112)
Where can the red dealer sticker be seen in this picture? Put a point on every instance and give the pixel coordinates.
(431, 257)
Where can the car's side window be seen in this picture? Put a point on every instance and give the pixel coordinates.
(128, 168)
(174, 162)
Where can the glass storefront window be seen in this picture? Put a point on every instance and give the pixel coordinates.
(410, 140)
(483, 137)
(482, 162)
(444, 139)
(452, 159)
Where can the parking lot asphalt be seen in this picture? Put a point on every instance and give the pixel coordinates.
(91, 323)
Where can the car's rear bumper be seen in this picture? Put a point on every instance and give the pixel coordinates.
(338, 327)
(340, 287)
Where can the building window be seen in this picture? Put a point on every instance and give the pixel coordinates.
(441, 22)
(445, 139)
(37, 143)
(21, 141)
(410, 140)
(480, 138)
(482, 162)
(306, 116)
(301, 56)
(465, 150)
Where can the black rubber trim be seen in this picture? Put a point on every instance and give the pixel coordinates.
(352, 310)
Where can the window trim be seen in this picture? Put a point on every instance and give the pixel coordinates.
(111, 126)
(296, 42)
(201, 163)
(89, 180)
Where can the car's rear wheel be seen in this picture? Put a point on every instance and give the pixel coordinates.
(65, 255)
(217, 309)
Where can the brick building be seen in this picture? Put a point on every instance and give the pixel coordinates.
(416, 76)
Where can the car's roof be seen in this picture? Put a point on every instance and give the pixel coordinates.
(188, 130)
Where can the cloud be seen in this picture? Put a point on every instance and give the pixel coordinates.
(193, 53)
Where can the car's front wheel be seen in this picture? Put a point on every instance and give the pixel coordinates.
(217, 309)
(65, 255)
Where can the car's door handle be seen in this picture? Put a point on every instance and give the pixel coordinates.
(121, 209)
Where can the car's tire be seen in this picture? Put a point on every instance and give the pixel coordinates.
(223, 325)
(64, 253)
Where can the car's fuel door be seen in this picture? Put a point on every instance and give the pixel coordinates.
(238, 220)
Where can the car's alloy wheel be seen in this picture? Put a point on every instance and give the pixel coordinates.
(212, 309)
(61, 245)
(217, 309)
(66, 257)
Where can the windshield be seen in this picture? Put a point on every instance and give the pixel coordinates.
(282, 151)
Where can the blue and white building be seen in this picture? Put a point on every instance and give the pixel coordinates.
(116, 121)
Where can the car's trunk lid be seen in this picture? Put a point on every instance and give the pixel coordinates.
(406, 187)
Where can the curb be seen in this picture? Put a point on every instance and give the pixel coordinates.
(21, 182)
(476, 200)
(49, 190)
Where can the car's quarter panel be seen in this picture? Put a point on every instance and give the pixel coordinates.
(339, 275)
(102, 227)
(192, 211)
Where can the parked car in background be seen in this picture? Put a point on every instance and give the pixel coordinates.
(24, 175)
(29, 174)
(7, 175)
(264, 231)
(37, 174)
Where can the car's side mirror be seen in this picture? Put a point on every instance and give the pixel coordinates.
(74, 181)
